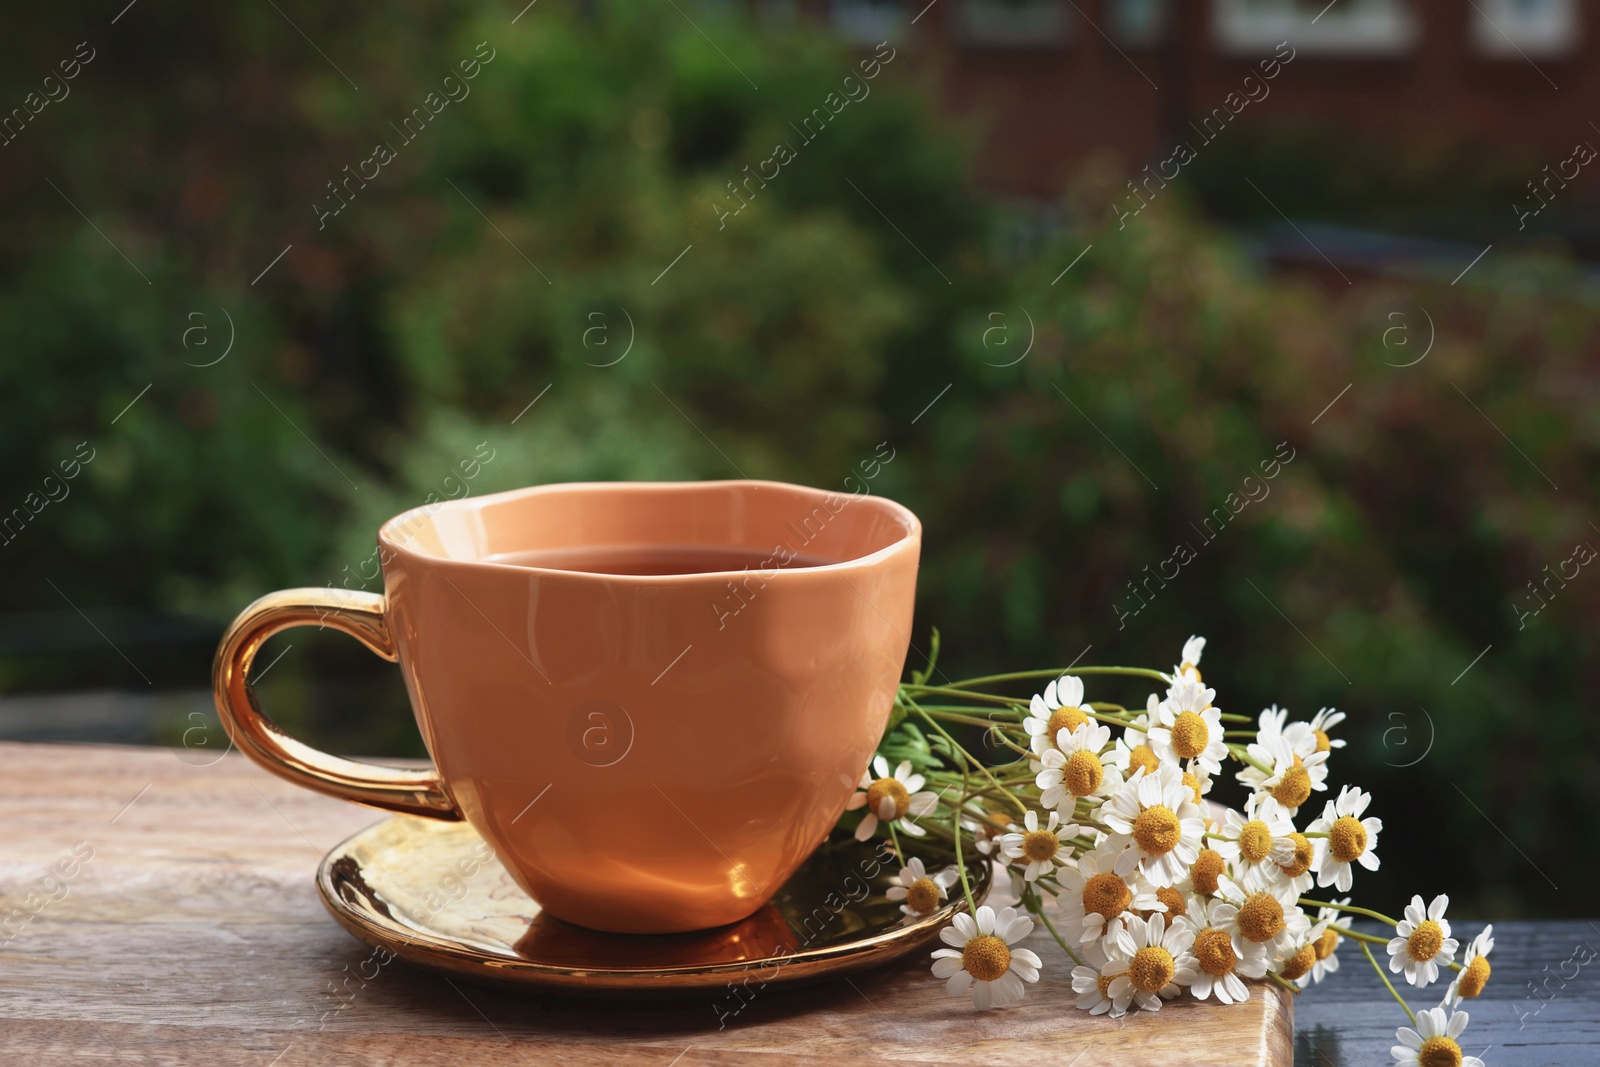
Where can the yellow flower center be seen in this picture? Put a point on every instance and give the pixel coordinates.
(1425, 941)
(888, 789)
(1205, 870)
(1326, 943)
(1475, 977)
(986, 958)
(1297, 965)
(1214, 949)
(1189, 668)
(1255, 841)
(1294, 788)
(1156, 830)
(1260, 917)
(1104, 982)
(1040, 845)
(1347, 839)
(1151, 969)
(1303, 855)
(1142, 756)
(1323, 745)
(1106, 894)
(923, 896)
(1439, 1052)
(1174, 902)
(1189, 735)
(1082, 773)
(1193, 783)
(1066, 718)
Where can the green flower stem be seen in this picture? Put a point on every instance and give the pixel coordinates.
(1244, 757)
(1356, 935)
(1389, 985)
(1012, 745)
(1106, 705)
(961, 866)
(1059, 940)
(1017, 676)
(966, 757)
(952, 778)
(998, 715)
(1315, 833)
(905, 691)
(1346, 907)
(1227, 717)
(1239, 733)
(966, 720)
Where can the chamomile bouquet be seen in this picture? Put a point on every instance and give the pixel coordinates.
(1097, 813)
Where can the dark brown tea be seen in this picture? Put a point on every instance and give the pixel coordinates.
(659, 559)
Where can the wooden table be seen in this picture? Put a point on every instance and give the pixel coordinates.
(188, 931)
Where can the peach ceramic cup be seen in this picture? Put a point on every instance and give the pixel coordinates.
(645, 753)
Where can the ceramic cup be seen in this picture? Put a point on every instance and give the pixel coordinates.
(645, 753)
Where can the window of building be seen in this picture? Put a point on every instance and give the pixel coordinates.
(865, 22)
(1138, 22)
(1517, 29)
(1012, 23)
(1315, 27)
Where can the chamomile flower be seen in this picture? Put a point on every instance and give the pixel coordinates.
(1156, 822)
(1208, 873)
(1269, 917)
(1059, 707)
(1198, 779)
(1474, 968)
(1270, 724)
(981, 960)
(1309, 737)
(1325, 946)
(890, 799)
(920, 890)
(1094, 897)
(1422, 943)
(1037, 849)
(1153, 959)
(1296, 872)
(1257, 843)
(1132, 750)
(1434, 1041)
(1173, 901)
(1190, 666)
(1073, 768)
(1351, 839)
(1219, 963)
(1091, 981)
(1187, 727)
(1293, 777)
(986, 827)
(1297, 961)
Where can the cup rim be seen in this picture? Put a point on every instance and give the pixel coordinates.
(910, 534)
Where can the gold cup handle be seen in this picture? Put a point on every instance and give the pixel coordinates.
(415, 792)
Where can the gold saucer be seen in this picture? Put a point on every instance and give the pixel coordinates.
(432, 893)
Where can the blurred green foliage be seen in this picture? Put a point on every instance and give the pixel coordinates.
(859, 298)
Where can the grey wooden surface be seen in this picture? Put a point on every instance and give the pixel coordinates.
(1541, 1008)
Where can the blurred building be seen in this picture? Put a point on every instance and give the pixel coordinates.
(1052, 81)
